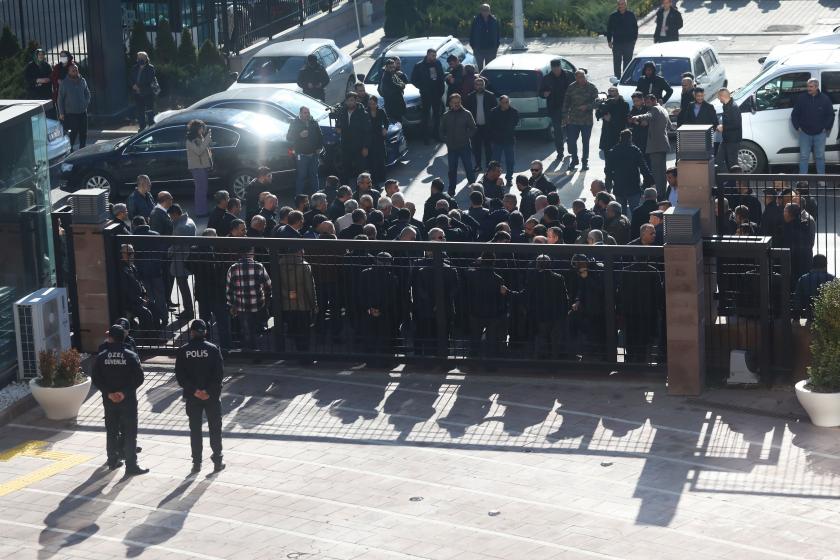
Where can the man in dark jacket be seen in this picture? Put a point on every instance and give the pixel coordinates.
(480, 103)
(428, 77)
(652, 83)
(700, 111)
(813, 119)
(425, 302)
(538, 180)
(668, 23)
(219, 218)
(613, 112)
(623, 166)
(808, 286)
(379, 299)
(641, 302)
(199, 370)
(485, 307)
(502, 124)
(140, 202)
(641, 213)
(392, 88)
(143, 83)
(313, 78)
(730, 127)
(457, 127)
(134, 298)
(484, 36)
(305, 137)
(454, 75)
(436, 193)
(37, 74)
(117, 374)
(639, 130)
(353, 125)
(209, 268)
(553, 88)
(547, 302)
(622, 32)
(528, 196)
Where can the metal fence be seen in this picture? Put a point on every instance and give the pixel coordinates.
(448, 302)
(55, 25)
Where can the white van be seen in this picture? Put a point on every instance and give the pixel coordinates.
(767, 101)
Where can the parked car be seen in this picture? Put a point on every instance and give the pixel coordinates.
(519, 76)
(58, 145)
(412, 51)
(242, 142)
(781, 52)
(278, 64)
(284, 105)
(767, 101)
(672, 60)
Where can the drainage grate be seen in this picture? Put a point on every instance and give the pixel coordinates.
(782, 29)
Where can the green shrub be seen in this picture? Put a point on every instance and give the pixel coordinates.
(12, 85)
(181, 86)
(825, 369)
(186, 50)
(139, 40)
(166, 51)
(9, 44)
(208, 55)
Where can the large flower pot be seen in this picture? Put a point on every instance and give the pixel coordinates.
(60, 403)
(823, 408)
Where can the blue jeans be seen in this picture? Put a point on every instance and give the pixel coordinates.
(510, 159)
(307, 170)
(808, 142)
(628, 202)
(248, 321)
(219, 314)
(463, 154)
(572, 132)
(200, 176)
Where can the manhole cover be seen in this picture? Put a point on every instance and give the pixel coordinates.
(782, 28)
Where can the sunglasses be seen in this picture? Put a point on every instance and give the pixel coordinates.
(535, 170)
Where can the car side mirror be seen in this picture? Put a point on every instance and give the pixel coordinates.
(614, 80)
(762, 59)
(234, 75)
(753, 104)
(360, 77)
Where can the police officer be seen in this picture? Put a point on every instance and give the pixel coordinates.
(130, 344)
(117, 374)
(199, 370)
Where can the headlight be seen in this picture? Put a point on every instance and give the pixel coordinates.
(55, 133)
(66, 167)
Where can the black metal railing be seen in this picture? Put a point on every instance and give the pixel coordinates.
(493, 303)
(65, 265)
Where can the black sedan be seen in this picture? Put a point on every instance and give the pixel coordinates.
(242, 142)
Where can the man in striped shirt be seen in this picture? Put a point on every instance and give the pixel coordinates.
(248, 291)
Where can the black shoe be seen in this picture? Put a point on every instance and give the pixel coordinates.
(115, 465)
(138, 449)
(573, 166)
(196, 468)
(585, 165)
(451, 192)
(218, 467)
(135, 470)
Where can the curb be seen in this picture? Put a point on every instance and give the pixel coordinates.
(17, 409)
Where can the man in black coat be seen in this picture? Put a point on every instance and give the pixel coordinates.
(379, 299)
(392, 88)
(538, 180)
(528, 196)
(425, 302)
(304, 135)
(484, 36)
(480, 102)
(199, 370)
(502, 124)
(730, 127)
(428, 77)
(622, 32)
(613, 112)
(313, 78)
(143, 83)
(641, 213)
(209, 269)
(652, 83)
(486, 307)
(624, 165)
(219, 218)
(640, 129)
(700, 111)
(641, 301)
(37, 74)
(553, 88)
(437, 193)
(668, 23)
(117, 374)
(547, 302)
(353, 125)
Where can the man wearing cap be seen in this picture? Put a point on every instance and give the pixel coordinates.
(117, 374)
(553, 88)
(313, 78)
(199, 369)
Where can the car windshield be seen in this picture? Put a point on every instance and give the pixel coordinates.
(513, 83)
(272, 70)
(669, 68)
(407, 65)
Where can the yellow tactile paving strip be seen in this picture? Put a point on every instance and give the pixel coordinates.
(35, 449)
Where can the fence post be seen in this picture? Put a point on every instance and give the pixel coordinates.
(610, 344)
(685, 318)
(112, 274)
(277, 307)
(765, 347)
(441, 306)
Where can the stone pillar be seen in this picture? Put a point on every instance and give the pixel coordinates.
(696, 179)
(106, 57)
(685, 317)
(91, 281)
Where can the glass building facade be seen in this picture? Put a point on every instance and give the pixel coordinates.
(27, 257)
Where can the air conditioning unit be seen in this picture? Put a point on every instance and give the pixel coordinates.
(695, 142)
(90, 206)
(42, 322)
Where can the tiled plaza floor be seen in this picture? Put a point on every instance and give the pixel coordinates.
(331, 464)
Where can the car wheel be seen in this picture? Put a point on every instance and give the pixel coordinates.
(239, 183)
(751, 158)
(100, 180)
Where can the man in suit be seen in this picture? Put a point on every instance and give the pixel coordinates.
(480, 102)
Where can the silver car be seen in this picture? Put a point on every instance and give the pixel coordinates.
(278, 65)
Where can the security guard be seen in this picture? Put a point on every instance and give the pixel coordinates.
(130, 344)
(199, 370)
(117, 374)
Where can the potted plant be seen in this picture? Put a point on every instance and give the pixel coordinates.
(819, 395)
(63, 386)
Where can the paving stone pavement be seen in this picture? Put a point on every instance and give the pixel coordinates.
(331, 463)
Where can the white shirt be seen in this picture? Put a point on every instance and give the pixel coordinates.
(664, 30)
(674, 196)
(479, 109)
